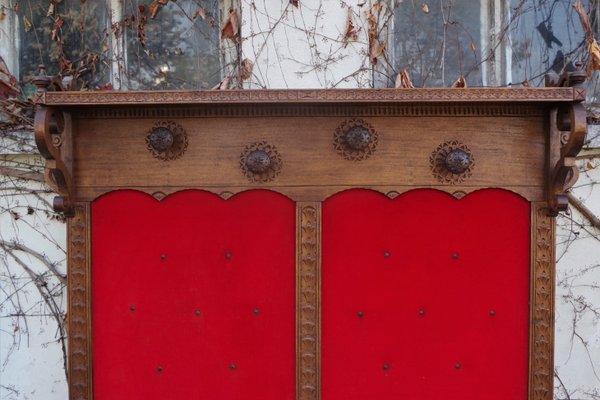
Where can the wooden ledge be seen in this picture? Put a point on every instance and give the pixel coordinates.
(469, 95)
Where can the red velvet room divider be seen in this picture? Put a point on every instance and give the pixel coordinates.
(193, 296)
(372, 244)
(425, 297)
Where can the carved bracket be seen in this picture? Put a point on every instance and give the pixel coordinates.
(568, 127)
(53, 138)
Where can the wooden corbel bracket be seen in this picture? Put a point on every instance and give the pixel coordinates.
(567, 132)
(53, 138)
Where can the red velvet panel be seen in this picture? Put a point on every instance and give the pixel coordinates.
(215, 318)
(425, 297)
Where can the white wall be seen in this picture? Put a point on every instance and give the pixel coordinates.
(31, 350)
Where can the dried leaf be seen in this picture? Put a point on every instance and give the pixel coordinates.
(376, 50)
(107, 86)
(473, 48)
(154, 9)
(16, 7)
(294, 2)
(163, 2)
(224, 84)
(350, 32)
(57, 24)
(525, 83)
(3, 68)
(230, 29)
(594, 51)
(27, 24)
(425, 8)
(2, 14)
(201, 12)
(105, 48)
(178, 51)
(51, 9)
(142, 8)
(141, 31)
(245, 69)
(589, 165)
(403, 81)
(460, 83)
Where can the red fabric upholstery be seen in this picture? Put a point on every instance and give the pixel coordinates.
(425, 312)
(162, 349)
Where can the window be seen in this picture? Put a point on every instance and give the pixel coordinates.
(179, 48)
(438, 42)
(125, 44)
(488, 42)
(70, 36)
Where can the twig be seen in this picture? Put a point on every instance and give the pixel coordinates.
(17, 173)
(586, 212)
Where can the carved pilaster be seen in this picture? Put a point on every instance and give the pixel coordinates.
(80, 312)
(541, 335)
(308, 301)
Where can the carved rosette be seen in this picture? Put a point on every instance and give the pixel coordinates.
(452, 162)
(355, 139)
(167, 140)
(308, 289)
(260, 162)
(542, 305)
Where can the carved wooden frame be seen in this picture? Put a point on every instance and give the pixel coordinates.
(308, 335)
(565, 130)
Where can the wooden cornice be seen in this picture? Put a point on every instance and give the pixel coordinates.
(478, 95)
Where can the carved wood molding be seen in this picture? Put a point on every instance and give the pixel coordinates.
(567, 136)
(568, 127)
(305, 193)
(53, 138)
(541, 335)
(306, 109)
(308, 303)
(79, 312)
(311, 96)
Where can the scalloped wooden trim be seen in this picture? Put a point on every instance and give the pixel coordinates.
(307, 193)
(80, 304)
(541, 318)
(308, 301)
(311, 96)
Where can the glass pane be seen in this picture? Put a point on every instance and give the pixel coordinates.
(437, 42)
(177, 49)
(69, 37)
(546, 36)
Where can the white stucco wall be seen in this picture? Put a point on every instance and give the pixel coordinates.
(31, 352)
